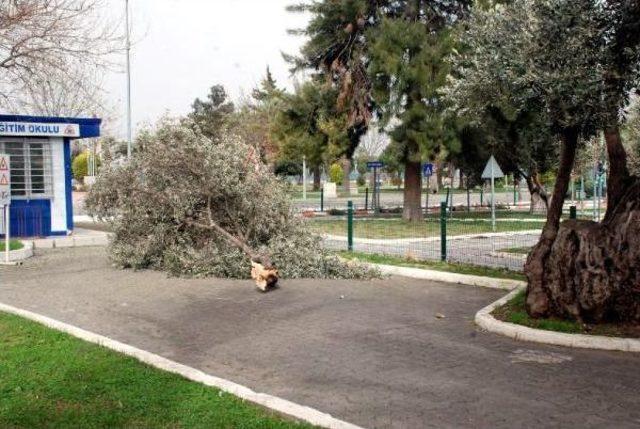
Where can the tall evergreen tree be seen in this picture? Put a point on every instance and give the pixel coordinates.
(213, 113)
(409, 69)
(301, 126)
(337, 49)
(255, 117)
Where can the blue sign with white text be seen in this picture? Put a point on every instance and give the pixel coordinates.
(375, 164)
(427, 170)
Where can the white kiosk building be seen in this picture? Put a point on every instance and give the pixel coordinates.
(41, 189)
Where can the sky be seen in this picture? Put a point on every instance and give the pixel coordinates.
(183, 47)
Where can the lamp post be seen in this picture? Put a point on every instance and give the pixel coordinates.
(128, 50)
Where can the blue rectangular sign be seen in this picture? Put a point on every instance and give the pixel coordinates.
(375, 164)
(427, 170)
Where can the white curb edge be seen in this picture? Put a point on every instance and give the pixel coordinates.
(282, 406)
(19, 255)
(486, 321)
(443, 276)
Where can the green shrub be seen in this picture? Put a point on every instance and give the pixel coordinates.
(336, 175)
(80, 165)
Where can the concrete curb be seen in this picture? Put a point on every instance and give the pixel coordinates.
(486, 321)
(279, 405)
(71, 241)
(21, 254)
(443, 276)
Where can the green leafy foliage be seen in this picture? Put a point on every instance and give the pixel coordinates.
(213, 113)
(336, 174)
(80, 165)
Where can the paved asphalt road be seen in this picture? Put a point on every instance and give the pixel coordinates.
(372, 353)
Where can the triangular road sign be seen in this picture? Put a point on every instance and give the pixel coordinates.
(4, 181)
(492, 165)
(3, 164)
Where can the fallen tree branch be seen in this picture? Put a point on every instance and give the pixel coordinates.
(262, 269)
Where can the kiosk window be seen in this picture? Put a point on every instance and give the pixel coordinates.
(31, 175)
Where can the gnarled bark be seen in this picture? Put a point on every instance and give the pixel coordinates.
(619, 176)
(585, 270)
(536, 268)
(592, 270)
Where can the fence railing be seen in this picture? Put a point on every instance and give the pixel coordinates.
(444, 234)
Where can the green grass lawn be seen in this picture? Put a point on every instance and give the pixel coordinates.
(13, 245)
(398, 228)
(434, 265)
(52, 380)
(514, 312)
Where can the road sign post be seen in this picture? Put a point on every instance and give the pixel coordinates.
(427, 171)
(5, 200)
(375, 198)
(493, 171)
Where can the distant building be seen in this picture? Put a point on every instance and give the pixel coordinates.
(40, 151)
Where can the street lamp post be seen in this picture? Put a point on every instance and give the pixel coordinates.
(128, 49)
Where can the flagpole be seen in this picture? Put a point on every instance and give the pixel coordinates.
(128, 49)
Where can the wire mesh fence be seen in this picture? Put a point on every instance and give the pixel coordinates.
(448, 234)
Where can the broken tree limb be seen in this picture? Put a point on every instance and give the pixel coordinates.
(262, 269)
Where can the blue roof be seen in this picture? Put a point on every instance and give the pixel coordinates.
(89, 127)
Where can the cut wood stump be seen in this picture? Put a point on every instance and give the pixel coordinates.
(265, 278)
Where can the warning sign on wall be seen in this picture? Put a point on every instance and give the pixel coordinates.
(5, 180)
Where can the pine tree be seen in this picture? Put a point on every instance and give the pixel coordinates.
(302, 126)
(212, 114)
(408, 67)
(337, 50)
(255, 118)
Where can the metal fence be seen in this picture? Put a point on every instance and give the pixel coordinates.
(446, 233)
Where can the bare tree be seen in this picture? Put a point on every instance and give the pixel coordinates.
(374, 142)
(76, 92)
(51, 49)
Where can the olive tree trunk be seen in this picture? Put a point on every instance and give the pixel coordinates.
(585, 270)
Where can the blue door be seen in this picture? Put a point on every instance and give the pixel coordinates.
(30, 218)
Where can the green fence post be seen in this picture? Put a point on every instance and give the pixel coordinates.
(443, 231)
(573, 212)
(515, 192)
(321, 200)
(482, 196)
(350, 225)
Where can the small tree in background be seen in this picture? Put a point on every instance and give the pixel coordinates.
(336, 174)
(194, 206)
(80, 165)
(213, 114)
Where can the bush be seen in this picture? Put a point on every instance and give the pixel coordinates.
(80, 166)
(162, 206)
(336, 174)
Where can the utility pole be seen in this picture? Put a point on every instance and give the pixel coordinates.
(128, 49)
